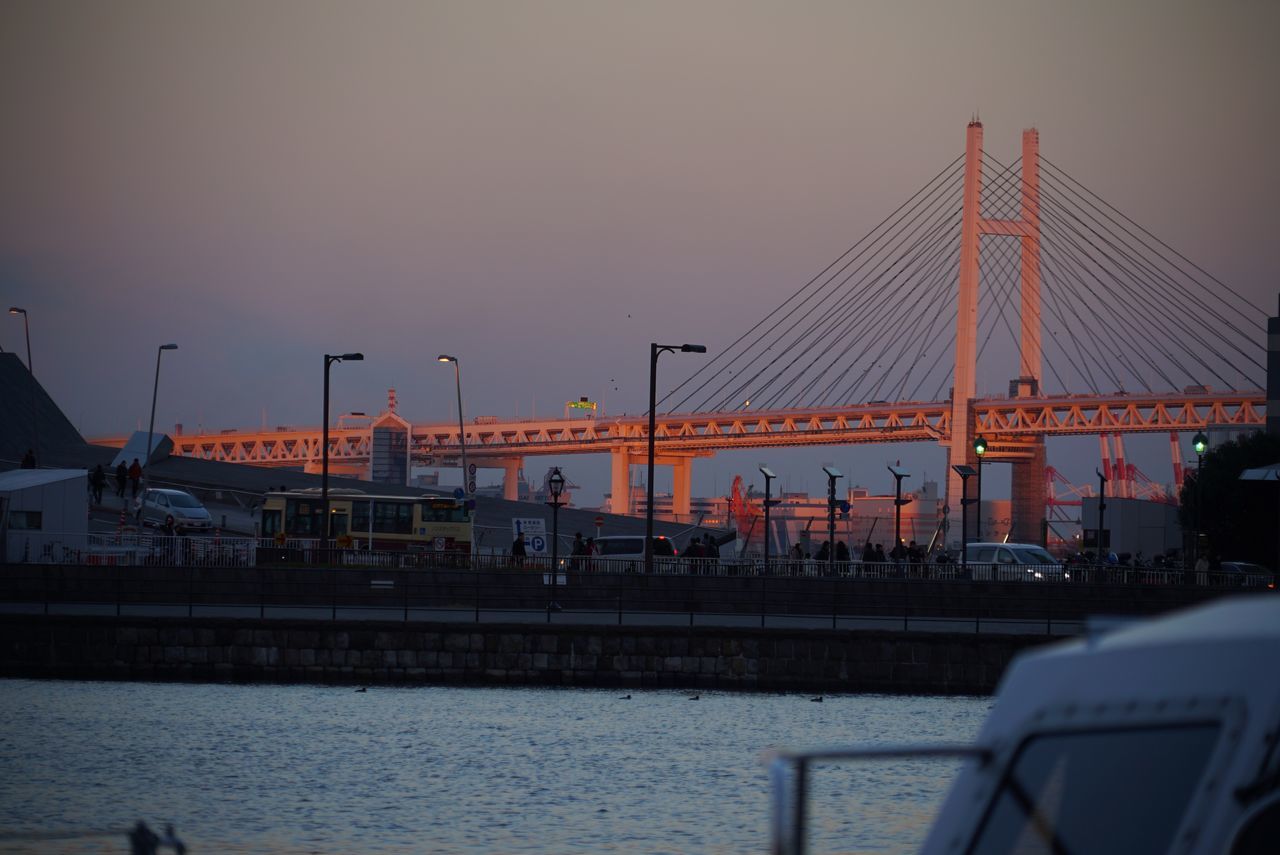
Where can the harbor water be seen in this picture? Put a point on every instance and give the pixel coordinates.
(302, 769)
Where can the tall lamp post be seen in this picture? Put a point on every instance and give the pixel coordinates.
(329, 359)
(768, 503)
(35, 429)
(898, 474)
(462, 431)
(965, 473)
(832, 475)
(654, 350)
(556, 484)
(151, 426)
(980, 449)
(1200, 443)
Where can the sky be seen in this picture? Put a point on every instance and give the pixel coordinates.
(544, 188)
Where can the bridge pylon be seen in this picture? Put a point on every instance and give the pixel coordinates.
(1029, 490)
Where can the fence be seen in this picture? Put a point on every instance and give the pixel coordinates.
(153, 549)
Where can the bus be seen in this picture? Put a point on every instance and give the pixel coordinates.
(437, 524)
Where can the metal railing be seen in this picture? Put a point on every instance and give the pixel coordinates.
(152, 548)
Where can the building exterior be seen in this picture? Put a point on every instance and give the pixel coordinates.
(40, 507)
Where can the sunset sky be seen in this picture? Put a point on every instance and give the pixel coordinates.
(543, 188)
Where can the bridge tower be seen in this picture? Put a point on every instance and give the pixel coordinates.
(1029, 491)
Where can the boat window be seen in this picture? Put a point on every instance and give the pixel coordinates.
(1097, 792)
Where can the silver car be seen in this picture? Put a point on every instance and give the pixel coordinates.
(158, 505)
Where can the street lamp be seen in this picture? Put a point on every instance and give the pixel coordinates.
(654, 350)
(898, 474)
(146, 461)
(556, 484)
(832, 475)
(329, 359)
(980, 449)
(35, 430)
(1200, 443)
(462, 434)
(965, 473)
(768, 503)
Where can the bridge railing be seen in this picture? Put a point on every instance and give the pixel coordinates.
(128, 549)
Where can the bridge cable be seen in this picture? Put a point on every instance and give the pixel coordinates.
(1147, 276)
(809, 332)
(846, 306)
(728, 352)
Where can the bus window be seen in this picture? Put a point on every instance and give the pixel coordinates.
(299, 518)
(393, 517)
(271, 522)
(359, 515)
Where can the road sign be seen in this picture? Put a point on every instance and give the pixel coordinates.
(599, 521)
(471, 485)
(471, 469)
(535, 533)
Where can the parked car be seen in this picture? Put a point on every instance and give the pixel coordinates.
(158, 505)
(1011, 562)
(1246, 574)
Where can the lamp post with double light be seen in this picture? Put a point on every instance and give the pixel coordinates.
(654, 350)
(768, 503)
(556, 484)
(327, 524)
(151, 426)
(898, 474)
(462, 432)
(832, 475)
(35, 429)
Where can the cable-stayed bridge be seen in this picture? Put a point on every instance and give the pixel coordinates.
(1017, 269)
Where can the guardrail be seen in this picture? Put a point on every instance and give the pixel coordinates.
(148, 548)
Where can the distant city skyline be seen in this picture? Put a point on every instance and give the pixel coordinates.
(544, 189)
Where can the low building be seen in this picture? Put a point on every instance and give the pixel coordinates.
(39, 508)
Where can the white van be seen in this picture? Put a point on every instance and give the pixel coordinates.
(1012, 562)
(626, 552)
(157, 506)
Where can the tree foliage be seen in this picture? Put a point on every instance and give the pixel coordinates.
(1240, 519)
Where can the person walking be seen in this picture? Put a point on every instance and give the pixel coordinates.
(578, 550)
(135, 476)
(98, 480)
(122, 475)
(590, 550)
(518, 551)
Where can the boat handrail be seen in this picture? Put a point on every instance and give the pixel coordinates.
(789, 796)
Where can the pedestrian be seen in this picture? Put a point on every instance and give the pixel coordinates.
(28, 460)
(590, 550)
(135, 475)
(122, 475)
(577, 550)
(518, 551)
(879, 556)
(842, 556)
(97, 481)
(868, 553)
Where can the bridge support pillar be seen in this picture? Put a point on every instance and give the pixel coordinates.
(681, 487)
(511, 478)
(1029, 496)
(620, 481)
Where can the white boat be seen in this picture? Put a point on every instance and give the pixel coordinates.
(1157, 737)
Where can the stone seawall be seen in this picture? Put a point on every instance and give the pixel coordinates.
(219, 650)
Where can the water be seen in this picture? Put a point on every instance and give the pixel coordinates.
(295, 769)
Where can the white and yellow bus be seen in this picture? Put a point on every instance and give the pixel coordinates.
(381, 523)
